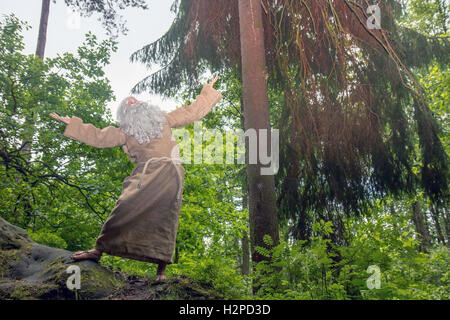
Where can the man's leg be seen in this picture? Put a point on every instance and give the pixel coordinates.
(161, 273)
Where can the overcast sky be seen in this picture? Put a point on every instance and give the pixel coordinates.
(65, 34)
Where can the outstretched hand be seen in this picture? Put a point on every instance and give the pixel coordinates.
(57, 117)
(211, 84)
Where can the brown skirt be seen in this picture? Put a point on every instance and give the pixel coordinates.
(143, 225)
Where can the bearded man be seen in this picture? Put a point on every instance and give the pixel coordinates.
(143, 225)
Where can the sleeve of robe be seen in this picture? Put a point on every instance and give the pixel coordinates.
(203, 103)
(100, 138)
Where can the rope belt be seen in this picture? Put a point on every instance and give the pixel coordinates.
(163, 159)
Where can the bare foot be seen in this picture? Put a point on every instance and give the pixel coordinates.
(161, 271)
(161, 277)
(92, 254)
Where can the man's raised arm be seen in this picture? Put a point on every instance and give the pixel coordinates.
(203, 103)
(100, 138)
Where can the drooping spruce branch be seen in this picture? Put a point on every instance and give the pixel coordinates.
(353, 112)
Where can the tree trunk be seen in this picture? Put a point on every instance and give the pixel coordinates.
(25, 151)
(262, 206)
(40, 49)
(437, 224)
(396, 228)
(42, 38)
(420, 223)
(245, 266)
(447, 226)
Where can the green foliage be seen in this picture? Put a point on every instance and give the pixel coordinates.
(214, 269)
(301, 270)
(436, 81)
(129, 266)
(62, 185)
(48, 239)
(298, 271)
(429, 16)
(421, 277)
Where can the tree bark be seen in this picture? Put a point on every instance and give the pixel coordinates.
(42, 38)
(447, 225)
(262, 206)
(437, 224)
(420, 223)
(245, 266)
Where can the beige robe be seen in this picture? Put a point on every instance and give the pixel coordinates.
(143, 225)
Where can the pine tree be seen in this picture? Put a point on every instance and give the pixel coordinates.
(351, 109)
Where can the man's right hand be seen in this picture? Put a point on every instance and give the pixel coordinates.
(57, 117)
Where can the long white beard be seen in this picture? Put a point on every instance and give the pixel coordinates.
(141, 120)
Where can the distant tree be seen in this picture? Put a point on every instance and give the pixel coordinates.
(42, 35)
(111, 20)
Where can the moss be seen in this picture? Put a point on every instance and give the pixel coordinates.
(20, 258)
(95, 281)
(7, 258)
(183, 288)
(10, 256)
(27, 291)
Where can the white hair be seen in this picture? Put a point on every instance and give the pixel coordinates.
(142, 120)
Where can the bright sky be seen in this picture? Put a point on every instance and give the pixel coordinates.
(66, 32)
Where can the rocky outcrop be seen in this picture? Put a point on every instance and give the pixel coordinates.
(32, 271)
(29, 270)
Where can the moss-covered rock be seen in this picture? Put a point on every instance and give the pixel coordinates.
(29, 270)
(12, 237)
(32, 271)
(179, 288)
